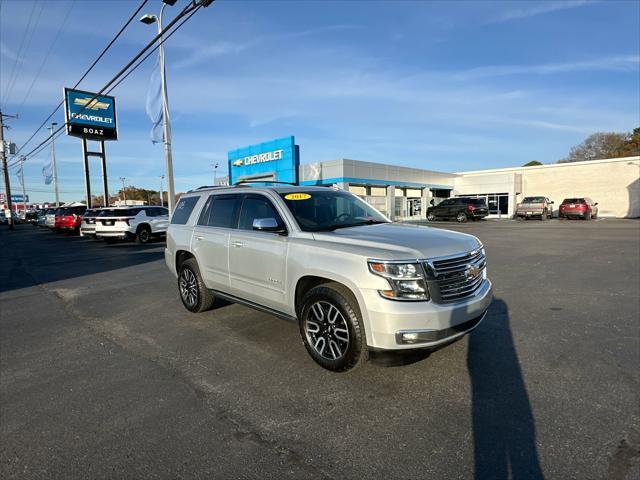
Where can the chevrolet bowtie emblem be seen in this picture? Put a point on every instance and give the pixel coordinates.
(472, 272)
(90, 104)
(238, 163)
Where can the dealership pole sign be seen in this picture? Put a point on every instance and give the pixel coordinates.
(90, 116)
(276, 160)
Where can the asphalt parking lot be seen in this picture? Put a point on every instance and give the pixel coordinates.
(103, 373)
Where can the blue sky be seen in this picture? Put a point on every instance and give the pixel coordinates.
(448, 86)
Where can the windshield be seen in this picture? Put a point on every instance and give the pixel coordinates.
(326, 210)
(533, 200)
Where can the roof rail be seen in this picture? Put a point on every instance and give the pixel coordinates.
(244, 182)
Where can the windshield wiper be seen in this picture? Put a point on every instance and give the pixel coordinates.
(331, 228)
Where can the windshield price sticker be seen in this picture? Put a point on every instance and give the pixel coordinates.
(297, 196)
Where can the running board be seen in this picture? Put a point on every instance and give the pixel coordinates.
(255, 306)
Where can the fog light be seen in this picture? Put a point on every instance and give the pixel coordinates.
(409, 337)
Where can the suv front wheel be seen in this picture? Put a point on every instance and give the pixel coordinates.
(194, 294)
(461, 217)
(331, 327)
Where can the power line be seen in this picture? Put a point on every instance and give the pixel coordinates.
(24, 36)
(133, 15)
(188, 10)
(46, 57)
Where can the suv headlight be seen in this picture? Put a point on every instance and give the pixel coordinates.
(406, 280)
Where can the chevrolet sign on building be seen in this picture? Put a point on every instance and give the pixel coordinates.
(275, 160)
(89, 115)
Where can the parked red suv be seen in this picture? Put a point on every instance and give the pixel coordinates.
(584, 208)
(69, 218)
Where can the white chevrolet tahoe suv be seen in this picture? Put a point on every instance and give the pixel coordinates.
(133, 223)
(352, 280)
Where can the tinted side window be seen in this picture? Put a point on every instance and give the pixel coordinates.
(183, 210)
(151, 212)
(224, 212)
(256, 207)
(220, 211)
(203, 219)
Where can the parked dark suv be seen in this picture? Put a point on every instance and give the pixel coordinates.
(462, 209)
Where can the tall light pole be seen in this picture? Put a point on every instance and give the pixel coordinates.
(53, 165)
(215, 173)
(124, 192)
(161, 199)
(166, 127)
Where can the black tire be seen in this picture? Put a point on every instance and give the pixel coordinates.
(431, 217)
(587, 216)
(544, 215)
(461, 217)
(344, 335)
(195, 296)
(143, 234)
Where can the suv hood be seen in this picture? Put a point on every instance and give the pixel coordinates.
(401, 241)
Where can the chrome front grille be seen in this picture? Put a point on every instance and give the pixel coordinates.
(455, 277)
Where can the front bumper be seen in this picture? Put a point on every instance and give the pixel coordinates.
(436, 324)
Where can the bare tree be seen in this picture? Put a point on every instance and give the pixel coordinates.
(598, 146)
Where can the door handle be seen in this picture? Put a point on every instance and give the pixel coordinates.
(198, 237)
(237, 244)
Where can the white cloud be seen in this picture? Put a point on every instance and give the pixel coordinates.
(525, 10)
(627, 63)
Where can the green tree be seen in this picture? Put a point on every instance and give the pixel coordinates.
(631, 147)
(532, 163)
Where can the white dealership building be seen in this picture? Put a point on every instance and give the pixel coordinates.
(405, 193)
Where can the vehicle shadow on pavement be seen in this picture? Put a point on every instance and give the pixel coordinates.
(503, 423)
(40, 257)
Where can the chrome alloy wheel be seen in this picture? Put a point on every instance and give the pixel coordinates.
(188, 287)
(326, 330)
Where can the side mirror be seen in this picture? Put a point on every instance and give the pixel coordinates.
(552, 202)
(269, 224)
(595, 204)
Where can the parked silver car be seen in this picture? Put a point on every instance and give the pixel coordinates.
(353, 280)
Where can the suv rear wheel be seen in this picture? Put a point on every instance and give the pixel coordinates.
(461, 217)
(431, 217)
(331, 328)
(143, 235)
(194, 294)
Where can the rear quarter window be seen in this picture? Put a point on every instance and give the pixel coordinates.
(183, 210)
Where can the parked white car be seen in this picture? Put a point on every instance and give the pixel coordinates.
(88, 225)
(131, 223)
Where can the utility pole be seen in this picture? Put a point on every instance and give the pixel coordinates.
(124, 193)
(161, 199)
(166, 127)
(24, 191)
(53, 165)
(5, 168)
